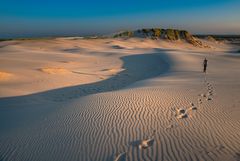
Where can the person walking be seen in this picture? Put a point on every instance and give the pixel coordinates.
(205, 61)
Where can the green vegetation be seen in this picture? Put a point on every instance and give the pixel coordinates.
(173, 34)
(190, 39)
(130, 33)
(146, 31)
(177, 34)
(210, 38)
(6, 39)
(124, 34)
(157, 32)
(185, 35)
(170, 34)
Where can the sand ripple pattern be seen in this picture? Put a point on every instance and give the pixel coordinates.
(101, 126)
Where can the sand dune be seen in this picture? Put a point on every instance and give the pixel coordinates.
(153, 83)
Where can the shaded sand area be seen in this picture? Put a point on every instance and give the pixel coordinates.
(135, 99)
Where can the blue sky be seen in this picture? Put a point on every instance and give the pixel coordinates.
(24, 18)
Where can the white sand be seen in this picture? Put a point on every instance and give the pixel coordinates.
(91, 100)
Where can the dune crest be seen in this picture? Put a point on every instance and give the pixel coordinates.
(54, 70)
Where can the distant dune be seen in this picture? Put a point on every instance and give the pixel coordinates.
(167, 34)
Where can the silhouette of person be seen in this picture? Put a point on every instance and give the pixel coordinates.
(205, 61)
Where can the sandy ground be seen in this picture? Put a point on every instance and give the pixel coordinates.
(93, 99)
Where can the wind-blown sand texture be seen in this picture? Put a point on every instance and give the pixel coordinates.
(5, 75)
(115, 94)
(54, 70)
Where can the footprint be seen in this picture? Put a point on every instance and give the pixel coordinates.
(220, 147)
(146, 143)
(203, 95)
(212, 149)
(199, 101)
(210, 94)
(208, 99)
(180, 111)
(182, 116)
(193, 107)
(169, 126)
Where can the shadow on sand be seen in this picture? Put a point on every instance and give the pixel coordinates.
(136, 67)
(24, 111)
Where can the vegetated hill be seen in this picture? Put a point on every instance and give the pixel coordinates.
(167, 34)
(210, 38)
(207, 37)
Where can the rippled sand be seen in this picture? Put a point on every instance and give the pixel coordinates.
(91, 100)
